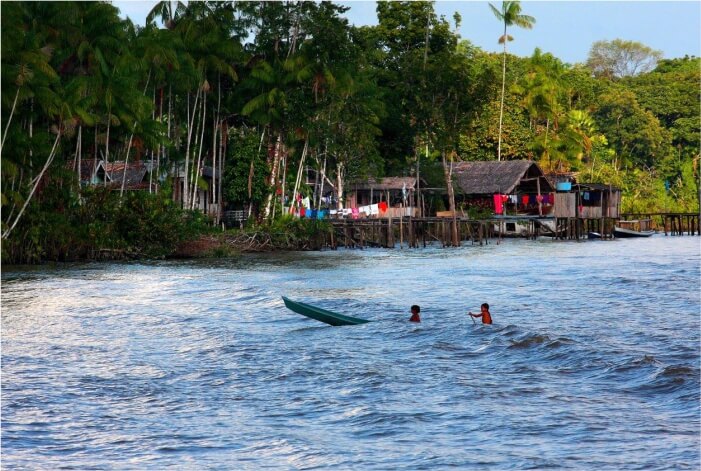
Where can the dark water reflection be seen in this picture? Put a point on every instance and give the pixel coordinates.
(593, 361)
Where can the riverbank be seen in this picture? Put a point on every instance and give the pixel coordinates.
(286, 234)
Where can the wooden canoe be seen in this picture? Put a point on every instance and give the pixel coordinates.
(633, 228)
(321, 315)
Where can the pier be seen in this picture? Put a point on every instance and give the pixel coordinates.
(675, 224)
(416, 232)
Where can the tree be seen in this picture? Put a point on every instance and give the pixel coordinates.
(619, 58)
(510, 14)
(633, 132)
(672, 93)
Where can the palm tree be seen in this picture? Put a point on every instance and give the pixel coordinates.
(510, 14)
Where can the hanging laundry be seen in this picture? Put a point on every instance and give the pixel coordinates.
(355, 213)
(383, 206)
(539, 198)
(374, 209)
(302, 212)
(498, 205)
(305, 202)
(586, 196)
(524, 200)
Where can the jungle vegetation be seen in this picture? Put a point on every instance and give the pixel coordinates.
(259, 90)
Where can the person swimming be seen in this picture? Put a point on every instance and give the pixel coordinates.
(484, 314)
(415, 310)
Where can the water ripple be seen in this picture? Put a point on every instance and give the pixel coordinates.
(591, 364)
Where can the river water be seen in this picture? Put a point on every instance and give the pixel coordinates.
(592, 362)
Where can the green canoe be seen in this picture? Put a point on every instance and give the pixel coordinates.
(322, 315)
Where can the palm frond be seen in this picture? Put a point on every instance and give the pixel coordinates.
(496, 12)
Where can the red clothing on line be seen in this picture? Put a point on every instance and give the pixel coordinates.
(498, 205)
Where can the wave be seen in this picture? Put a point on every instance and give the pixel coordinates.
(530, 340)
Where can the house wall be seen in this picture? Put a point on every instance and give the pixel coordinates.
(565, 205)
(591, 212)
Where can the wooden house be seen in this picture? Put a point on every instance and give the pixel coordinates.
(523, 187)
(203, 195)
(588, 201)
(92, 172)
(396, 194)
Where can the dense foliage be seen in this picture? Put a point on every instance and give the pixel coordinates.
(262, 91)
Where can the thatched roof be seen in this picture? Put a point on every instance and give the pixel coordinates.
(389, 183)
(486, 178)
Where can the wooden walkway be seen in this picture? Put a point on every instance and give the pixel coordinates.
(670, 223)
(415, 232)
(407, 232)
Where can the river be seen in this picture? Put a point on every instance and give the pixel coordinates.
(592, 361)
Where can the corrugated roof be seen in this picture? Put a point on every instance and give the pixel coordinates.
(481, 178)
(88, 168)
(597, 187)
(136, 171)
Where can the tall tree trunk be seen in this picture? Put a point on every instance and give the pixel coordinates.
(36, 184)
(165, 156)
(9, 120)
(321, 184)
(283, 180)
(273, 176)
(131, 137)
(448, 174)
(191, 119)
(339, 184)
(107, 142)
(298, 180)
(503, 88)
(222, 156)
(215, 147)
(153, 116)
(250, 174)
(545, 142)
(195, 177)
(126, 164)
(78, 152)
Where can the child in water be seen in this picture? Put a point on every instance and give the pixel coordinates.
(484, 314)
(415, 310)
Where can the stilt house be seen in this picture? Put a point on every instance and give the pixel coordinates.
(396, 195)
(519, 184)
